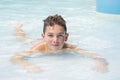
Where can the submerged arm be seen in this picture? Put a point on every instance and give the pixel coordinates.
(84, 53)
(100, 64)
(19, 60)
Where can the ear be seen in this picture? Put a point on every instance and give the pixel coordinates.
(43, 36)
(66, 36)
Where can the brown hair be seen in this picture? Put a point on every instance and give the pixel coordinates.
(55, 19)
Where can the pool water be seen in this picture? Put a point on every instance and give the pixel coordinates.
(88, 29)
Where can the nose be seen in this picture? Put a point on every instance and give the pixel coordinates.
(55, 39)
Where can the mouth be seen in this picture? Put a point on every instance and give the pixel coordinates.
(55, 45)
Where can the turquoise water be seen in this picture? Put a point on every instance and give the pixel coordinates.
(88, 29)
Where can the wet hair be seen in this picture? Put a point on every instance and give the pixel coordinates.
(55, 19)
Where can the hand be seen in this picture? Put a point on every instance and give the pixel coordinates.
(100, 65)
(32, 68)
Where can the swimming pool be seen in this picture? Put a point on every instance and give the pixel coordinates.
(88, 29)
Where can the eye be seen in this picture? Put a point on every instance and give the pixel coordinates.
(50, 35)
(60, 35)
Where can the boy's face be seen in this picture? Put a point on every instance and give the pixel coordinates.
(55, 37)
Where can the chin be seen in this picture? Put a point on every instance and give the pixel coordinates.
(56, 49)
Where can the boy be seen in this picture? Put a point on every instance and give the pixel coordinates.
(54, 39)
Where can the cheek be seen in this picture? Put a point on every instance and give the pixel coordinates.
(61, 40)
(48, 40)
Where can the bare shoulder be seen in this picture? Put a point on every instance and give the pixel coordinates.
(70, 46)
(38, 47)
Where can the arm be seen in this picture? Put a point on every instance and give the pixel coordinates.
(73, 48)
(100, 64)
(18, 59)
